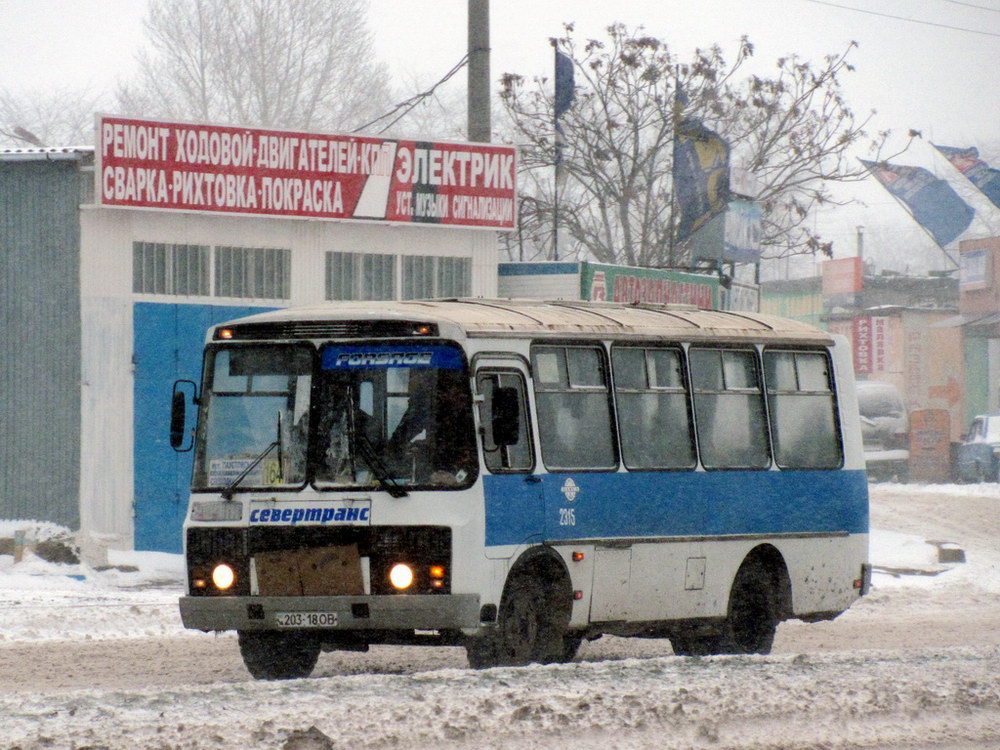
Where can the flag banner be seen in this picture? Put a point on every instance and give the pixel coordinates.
(564, 95)
(978, 172)
(701, 176)
(933, 203)
(565, 88)
(262, 172)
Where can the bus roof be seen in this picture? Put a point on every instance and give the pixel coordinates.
(479, 317)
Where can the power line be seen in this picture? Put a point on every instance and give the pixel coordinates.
(903, 18)
(408, 105)
(972, 5)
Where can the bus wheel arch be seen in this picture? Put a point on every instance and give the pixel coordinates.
(533, 617)
(759, 599)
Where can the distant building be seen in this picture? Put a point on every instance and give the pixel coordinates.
(979, 320)
(898, 327)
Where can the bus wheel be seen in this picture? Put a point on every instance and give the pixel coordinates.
(571, 644)
(531, 627)
(270, 655)
(750, 625)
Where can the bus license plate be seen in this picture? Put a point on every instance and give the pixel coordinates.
(306, 619)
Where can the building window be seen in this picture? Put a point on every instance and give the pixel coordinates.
(360, 276)
(159, 268)
(255, 272)
(418, 277)
(341, 275)
(378, 276)
(427, 276)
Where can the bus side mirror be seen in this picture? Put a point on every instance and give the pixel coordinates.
(178, 416)
(506, 416)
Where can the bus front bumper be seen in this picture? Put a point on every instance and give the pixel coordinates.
(348, 613)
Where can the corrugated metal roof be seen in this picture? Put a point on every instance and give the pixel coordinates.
(507, 317)
(79, 153)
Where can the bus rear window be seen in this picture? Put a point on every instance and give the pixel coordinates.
(803, 410)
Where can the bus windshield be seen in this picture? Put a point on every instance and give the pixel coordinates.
(384, 416)
(255, 417)
(393, 413)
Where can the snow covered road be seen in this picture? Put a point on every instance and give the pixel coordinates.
(103, 662)
(908, 698)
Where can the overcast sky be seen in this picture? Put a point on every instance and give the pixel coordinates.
(917, 73)
(939, 80)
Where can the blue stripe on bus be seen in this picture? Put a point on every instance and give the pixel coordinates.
(523, 509)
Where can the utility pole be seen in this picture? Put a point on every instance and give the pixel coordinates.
(479, 71)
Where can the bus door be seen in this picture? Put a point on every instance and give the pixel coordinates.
(512, 491)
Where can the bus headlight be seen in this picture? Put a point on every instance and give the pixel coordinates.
(223, 576)
(401, 576)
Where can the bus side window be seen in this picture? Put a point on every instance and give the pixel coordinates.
(729, 409)
(518, 455)
(803, 410)
(574, 411)
(653, 416)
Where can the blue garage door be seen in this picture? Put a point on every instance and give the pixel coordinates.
(167, 347)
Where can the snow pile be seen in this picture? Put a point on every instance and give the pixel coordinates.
(135, 596)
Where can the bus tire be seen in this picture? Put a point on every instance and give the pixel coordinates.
(531, 627)
(571, 644)
(751, 621)
(270, 655)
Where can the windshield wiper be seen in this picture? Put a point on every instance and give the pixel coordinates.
(230, 490)
(378, 468)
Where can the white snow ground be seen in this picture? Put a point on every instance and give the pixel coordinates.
(916, 698)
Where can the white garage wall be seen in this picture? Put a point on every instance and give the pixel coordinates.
(107, 388)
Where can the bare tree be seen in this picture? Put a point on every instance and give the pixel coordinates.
(794, 131)
(281, 63)
(63, 117)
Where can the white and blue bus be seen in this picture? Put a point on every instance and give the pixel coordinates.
(518, 476)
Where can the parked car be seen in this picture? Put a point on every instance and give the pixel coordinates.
(885, 429)
(977, 456)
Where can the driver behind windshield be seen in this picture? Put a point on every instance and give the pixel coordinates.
(424, 412)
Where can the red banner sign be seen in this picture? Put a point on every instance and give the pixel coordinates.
(218, 169)
(870, 338)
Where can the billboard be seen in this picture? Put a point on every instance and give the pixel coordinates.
(237, 170)
(602, 282)
(842, 282)
(733, 236)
